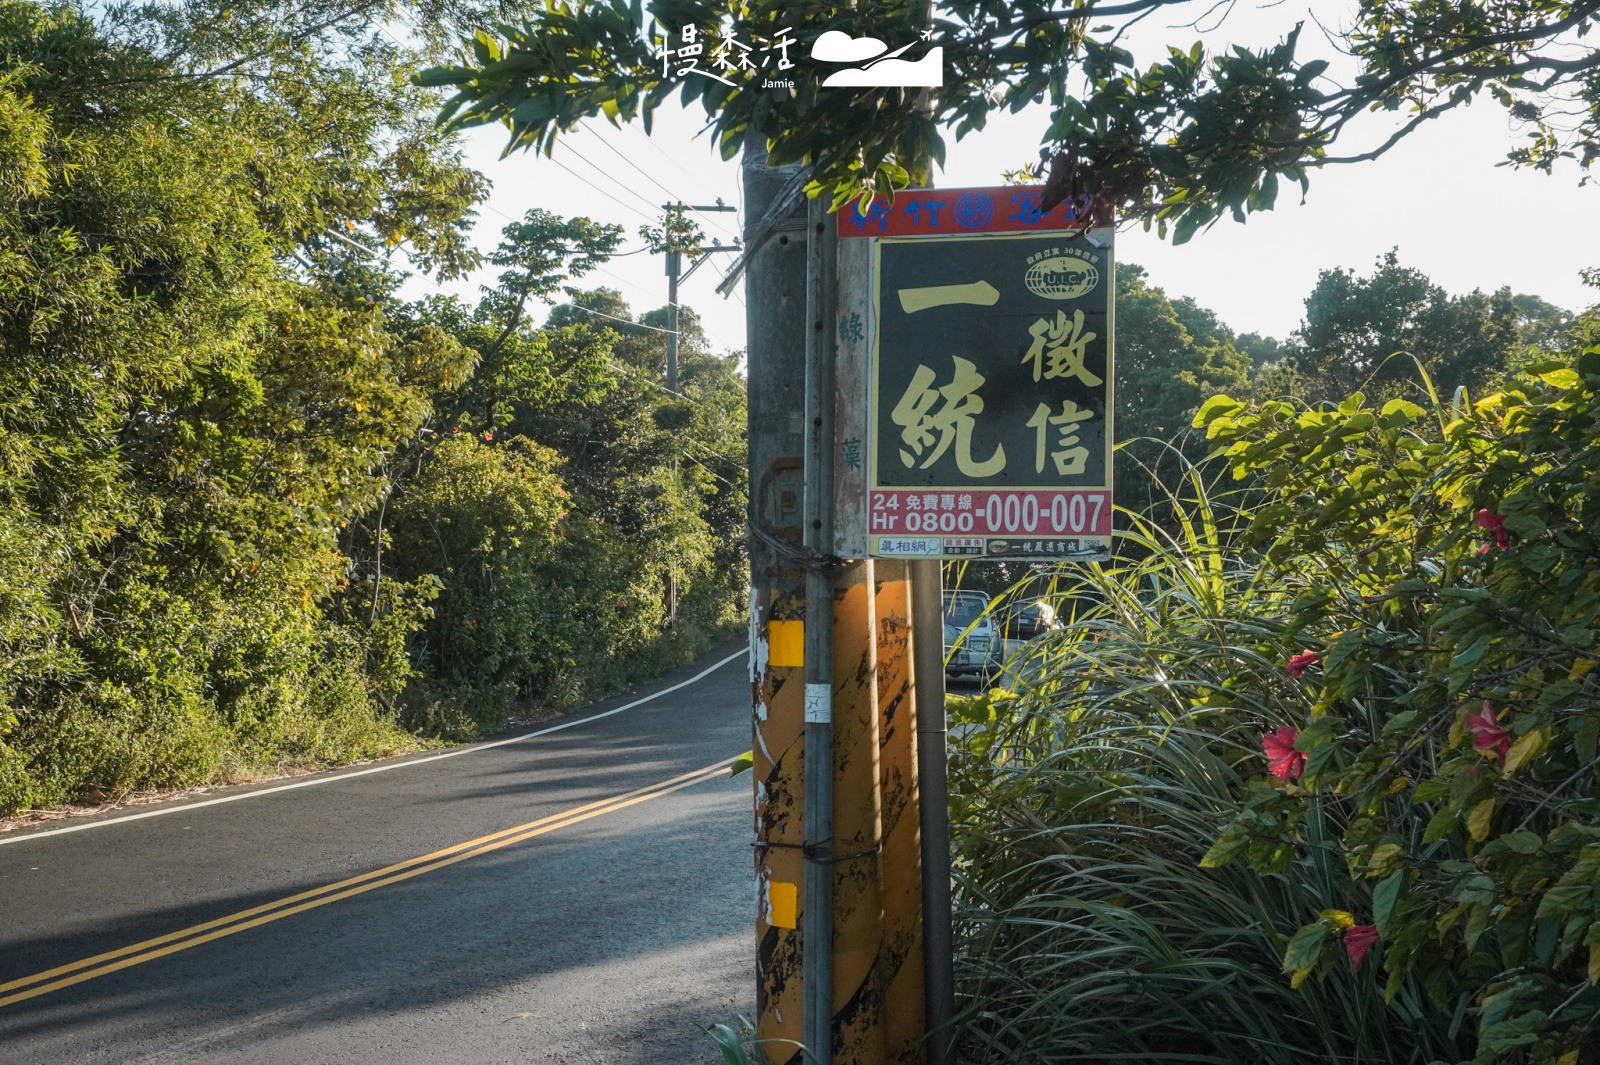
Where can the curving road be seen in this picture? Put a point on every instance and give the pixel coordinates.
(580, 896)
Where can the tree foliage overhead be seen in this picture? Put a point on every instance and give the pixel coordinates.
(1178, 139)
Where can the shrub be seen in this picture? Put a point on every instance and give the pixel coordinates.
(1084, 799)
(1349, 733)
(1446, 588)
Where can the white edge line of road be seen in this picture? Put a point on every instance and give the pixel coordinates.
(336, 776)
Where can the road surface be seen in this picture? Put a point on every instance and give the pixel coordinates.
(583, 896)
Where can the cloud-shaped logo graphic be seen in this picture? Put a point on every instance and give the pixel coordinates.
(889, 72)
(836, 46)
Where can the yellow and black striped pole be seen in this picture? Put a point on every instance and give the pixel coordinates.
(839, 962)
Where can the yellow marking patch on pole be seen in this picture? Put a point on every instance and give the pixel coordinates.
(786, 643)
(782, 903)
(183, 939)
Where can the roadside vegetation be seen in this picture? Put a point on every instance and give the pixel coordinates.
(1310, 772)
(258, 510)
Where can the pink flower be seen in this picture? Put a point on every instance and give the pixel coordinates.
(488, 437)
(1358, 939)
(1487, 735)
(1495, 526)
(1302, 662)
(1283, 761)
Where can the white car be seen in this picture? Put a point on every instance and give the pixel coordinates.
(972, 642)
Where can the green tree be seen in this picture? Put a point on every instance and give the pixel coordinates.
(256, 508)
(1444, 750)
(550, 510)
(1353, 326)
(1172, 355)
(196, 393)
(1178, 141)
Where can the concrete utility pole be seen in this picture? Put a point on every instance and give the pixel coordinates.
(839, 963)
(674, 268)
(774, 270)
(818, 536)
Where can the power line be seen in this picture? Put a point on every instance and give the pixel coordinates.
(652, 297)
(614, 150)
(708, 469)
(611, 178)
(614, 318)
(663, 153)
(738, 186)
(590, 182)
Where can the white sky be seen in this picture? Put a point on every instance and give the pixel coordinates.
(1438, 196)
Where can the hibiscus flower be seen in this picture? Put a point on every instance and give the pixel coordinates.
(1487, 735)
(1495, 526)
(1283, 761)
(1358, 939)
(1301, 662)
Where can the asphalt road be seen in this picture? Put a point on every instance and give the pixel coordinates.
(602, 937)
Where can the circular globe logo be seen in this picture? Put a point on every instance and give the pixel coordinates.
(1062, 278)
(973, 210)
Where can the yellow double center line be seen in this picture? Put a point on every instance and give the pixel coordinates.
(136, 954)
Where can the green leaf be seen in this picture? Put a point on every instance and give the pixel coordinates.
(1383, 859)
(1463, 661)
(1477, 924)
(742, 763)
(1563, 899)
(1304, 947)
(1232, 843)
(1398, 412)
(1431, 790)
(1479, 819)
(1440, 825)
(1217, 406)
(1524, 750)
(1522, 842)
(1561, 378)
(438, 77)
(1384, 897)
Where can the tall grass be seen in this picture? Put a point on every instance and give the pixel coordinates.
(1085, 794)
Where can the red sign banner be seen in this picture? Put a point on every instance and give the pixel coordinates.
(952, 212)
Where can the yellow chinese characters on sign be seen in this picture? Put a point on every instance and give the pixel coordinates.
(948, 411)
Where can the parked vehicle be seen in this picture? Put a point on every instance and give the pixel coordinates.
(1024, 620)
(972, 641)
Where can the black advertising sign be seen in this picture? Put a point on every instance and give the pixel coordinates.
(990, 395)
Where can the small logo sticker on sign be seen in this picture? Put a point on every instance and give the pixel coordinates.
(1062, 277)
(908, 546)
